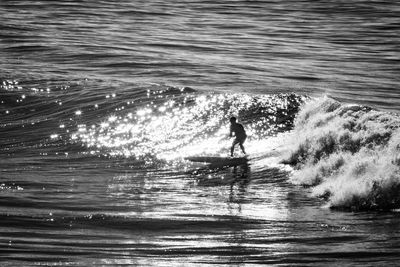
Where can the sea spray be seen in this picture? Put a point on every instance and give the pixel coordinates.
(349, 154)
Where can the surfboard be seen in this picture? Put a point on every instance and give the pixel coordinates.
(219, 160)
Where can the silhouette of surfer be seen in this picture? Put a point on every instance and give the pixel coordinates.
(240, 135)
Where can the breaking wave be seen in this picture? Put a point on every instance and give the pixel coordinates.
(348, 154)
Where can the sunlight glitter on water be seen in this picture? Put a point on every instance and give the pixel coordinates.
(176, 128)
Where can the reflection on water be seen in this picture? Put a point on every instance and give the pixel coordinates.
(241, 178)
(236, 177)
(225, 215)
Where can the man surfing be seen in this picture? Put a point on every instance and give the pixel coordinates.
(240, 135)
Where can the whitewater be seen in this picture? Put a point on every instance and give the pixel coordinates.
(101, 102)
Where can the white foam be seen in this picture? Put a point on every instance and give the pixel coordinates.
(349, 153)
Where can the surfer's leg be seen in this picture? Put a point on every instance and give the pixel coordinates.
(233, 146)
(241, 145)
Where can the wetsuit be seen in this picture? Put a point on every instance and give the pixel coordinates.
(240, 136)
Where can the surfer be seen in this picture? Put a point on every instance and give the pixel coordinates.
(240, 135)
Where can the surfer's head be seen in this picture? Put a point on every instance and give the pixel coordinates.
(233, 119)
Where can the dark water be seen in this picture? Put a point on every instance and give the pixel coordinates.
(100, 102)
(347, 49)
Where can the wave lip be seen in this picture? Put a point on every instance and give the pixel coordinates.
(349, 154)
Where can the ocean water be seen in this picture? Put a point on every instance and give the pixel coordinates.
(102, 101)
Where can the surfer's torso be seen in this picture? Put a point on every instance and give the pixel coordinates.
(239, 131)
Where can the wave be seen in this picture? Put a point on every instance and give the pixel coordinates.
(348, 154)
(174, 123)
(147, 123)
